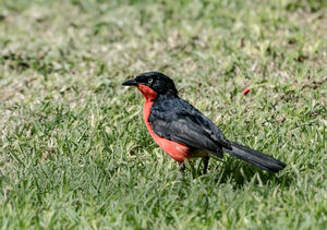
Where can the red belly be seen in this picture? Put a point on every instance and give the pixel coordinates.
(177, 151)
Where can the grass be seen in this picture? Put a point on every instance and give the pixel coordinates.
(75, 154)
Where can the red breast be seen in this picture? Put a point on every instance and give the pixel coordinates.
(177, 151)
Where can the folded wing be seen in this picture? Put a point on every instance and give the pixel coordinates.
(177, 120)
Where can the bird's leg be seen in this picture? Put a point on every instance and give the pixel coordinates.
(220, 152)
(205, 164)
(181, 167)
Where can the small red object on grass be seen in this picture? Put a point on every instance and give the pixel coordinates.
(246, 91)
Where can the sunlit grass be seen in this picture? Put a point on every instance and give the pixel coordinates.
(75, 154)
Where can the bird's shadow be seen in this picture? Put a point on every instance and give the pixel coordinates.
(241, 173)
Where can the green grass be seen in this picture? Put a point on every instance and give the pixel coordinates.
(75, 154)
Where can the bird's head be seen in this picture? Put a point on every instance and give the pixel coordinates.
(152, 84)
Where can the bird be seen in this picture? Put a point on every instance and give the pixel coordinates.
(183, 132)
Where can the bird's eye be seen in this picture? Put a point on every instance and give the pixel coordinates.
(150, 80)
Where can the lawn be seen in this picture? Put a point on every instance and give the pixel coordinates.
(75, 153)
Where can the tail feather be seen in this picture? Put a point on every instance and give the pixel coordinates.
(255, 158)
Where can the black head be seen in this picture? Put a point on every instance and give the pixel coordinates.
(159, 82)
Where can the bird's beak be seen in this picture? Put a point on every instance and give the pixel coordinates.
(130, 82)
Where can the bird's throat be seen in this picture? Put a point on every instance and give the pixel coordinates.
(148, 93)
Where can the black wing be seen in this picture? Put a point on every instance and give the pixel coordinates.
(177, 120)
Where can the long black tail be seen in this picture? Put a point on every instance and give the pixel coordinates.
(255, 158)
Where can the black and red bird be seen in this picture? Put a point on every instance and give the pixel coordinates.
(184, 132)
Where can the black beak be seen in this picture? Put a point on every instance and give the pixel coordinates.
(130, 82)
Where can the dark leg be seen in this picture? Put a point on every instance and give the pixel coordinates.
(181, 167)
(205, 164)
